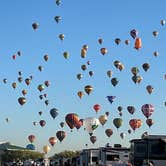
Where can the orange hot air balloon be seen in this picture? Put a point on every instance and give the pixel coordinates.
(138, 43)
(139, 123)
(52, 141)
(80, 94)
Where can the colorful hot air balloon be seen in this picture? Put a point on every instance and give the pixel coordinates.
(156, 53)
(91, 124)
(93, 139)
(46, 57)
(155, 33)
(117, 41)
(83, 53)
(127, 42)
(61, 135)
(52, 141)
(88, 89)
(58, 2)
(134, 71)
(61, 37)
(79, 76)
(147, 110)
(27, 81)
(133, 124)
(122, 135)
(83, 67)
(66, 55)
(117, 122)
(14, 85)
(54, 113)
(40, 87)
(97, 108)
(162, 22)
(109, 73)
(31, 138)
(109, 132)
(24, 92)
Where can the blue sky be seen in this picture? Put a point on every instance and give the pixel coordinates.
(83, 22)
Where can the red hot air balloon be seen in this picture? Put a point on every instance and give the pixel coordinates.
(133, 124)
(147, 110)
(97, 107)
(52, 141)
(31, 138)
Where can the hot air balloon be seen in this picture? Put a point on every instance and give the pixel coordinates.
(117, 41)
(121, 67)
(40, 113)
(139, 123)
(136, 79)
(97, 108)
(41, 97)
(83, 53)
(155, 33)
(93, 139)
(61, 135)
(122, 135)
(57, 18)
(109, 73)
(117, 64)
(52, 141)
(131, 109)
(20, 79)
(42, 123)
(149, 122)
(133, 124)
(103, 119)
(91, 124)
(146, 66)
(107, 113)
(20, 73)
(47, 83)
(88, 89)
(79, 76)
(156, 53)
(134, 71)
(61, 37)
(24, 92)
(4, 80)
(80, 94)
(46, 57)
(66, 55)
(14, 85)
(40, 68)
(72, 120)
(111, 98)
(40, 87)
(62, 124)
(109, 132)
(88, 62)
(31, 138)
(127, 42)
(46, 102)
(100, 40)
(19, 53)
(117, 122)
(120, 113)
(35, 25)
(14, 57)
(22, 100)
(30, 147)
(120, 108)
(46, 149)
(34, 123)
(162, 22)
(27, 81)
(149, 88)
(54, 113)
(83, 67)
(103, 51)
(147, 110)
(58, 2)
(91, 73)
(114, 81)
(134, 33)
(138, 43)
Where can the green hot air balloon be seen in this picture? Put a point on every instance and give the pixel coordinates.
(117, 122)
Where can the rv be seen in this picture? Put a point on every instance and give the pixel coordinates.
(104, 156)
(150, 148)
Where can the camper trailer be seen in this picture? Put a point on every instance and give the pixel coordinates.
(150, 148)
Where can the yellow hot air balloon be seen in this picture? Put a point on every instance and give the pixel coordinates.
(83, 52)
(103, 119)
(46, 149)
(80, 94)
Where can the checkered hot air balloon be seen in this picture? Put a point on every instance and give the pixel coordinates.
(147, 110)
